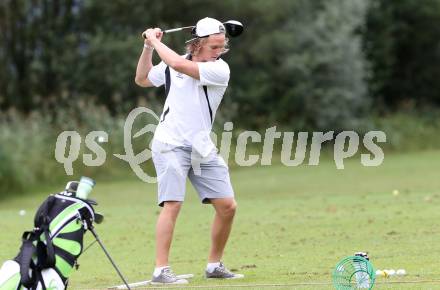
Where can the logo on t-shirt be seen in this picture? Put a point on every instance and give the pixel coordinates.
(179, 75)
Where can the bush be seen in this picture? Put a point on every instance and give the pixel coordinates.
(27, 145)
(401, 41)
(307, 71)
(410, 130)
(24, 153)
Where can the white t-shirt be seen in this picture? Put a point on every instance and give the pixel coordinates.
(188, 114)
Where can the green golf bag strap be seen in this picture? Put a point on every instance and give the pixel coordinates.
(46, 253)
(24, 259)
(45, 250)
(42, 214)
(71, 218)
(39, 278)
(86, 217)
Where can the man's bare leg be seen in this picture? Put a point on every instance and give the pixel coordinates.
(221, 227)
(164, 231)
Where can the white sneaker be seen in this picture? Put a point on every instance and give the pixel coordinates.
(221, 272)
(167, 276)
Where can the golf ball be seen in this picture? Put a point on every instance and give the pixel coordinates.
(391, 272)
(401, 272)
(395, 192)
(22, 212)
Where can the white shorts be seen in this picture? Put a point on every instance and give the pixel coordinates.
(209, 175)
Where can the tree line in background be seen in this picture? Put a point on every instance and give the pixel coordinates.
(301, 64)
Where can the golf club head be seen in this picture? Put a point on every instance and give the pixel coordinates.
(72, 186)
(99, 218)
(92, 201)
(233, 27)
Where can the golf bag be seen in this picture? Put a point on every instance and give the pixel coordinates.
(50, 251)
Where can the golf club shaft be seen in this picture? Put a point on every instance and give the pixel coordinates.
(172, 30)
(178, 29)
(233, 28)
(108, 256)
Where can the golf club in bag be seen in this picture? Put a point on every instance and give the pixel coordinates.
(233, 28)
(49, 252)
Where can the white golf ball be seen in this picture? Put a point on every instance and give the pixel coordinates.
(395, 192)
(391, 272)
(401, 272)
(22, 212)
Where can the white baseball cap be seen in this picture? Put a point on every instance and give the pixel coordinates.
(208, 26)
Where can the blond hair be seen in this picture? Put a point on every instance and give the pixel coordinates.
(195, 44)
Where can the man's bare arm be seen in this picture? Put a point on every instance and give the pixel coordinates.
(143, 68)
(172, 59)
(145, 60)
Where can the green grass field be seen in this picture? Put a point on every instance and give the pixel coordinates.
(292, 226)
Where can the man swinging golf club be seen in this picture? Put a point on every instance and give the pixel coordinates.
(194, 87)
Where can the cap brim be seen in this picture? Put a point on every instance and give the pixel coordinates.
(191, 40)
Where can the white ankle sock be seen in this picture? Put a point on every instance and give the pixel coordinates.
(210, 267)
(157, 270)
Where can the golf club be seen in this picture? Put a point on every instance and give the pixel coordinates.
(147, 282)
(92, 230)
(233, 27)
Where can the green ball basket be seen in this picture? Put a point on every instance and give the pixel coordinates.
(354, 272)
